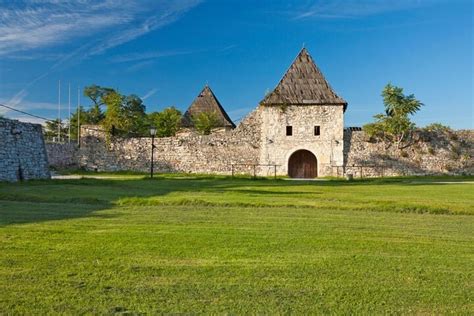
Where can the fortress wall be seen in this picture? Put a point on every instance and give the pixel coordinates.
(22, 151)
(192, 153)
(430, 153)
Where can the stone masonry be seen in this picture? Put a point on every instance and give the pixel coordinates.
(22, 151)
(296, 130)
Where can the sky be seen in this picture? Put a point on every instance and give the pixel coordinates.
(166, 51)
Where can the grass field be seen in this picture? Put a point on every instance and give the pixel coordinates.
(219, 245)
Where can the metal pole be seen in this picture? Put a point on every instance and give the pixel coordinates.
(152, 149)
(59, 111)
(69, 108)
(275, 171)
(78, 118)
(254, 171)
(232, 171)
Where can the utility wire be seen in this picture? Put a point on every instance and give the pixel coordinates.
(23, 112)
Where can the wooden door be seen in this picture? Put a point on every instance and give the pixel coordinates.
(303, 164)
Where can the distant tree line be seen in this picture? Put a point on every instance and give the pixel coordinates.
(125, 115)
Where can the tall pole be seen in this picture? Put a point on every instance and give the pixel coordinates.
(69, 107)
(78, 117)
(152, 149)
(59, 111)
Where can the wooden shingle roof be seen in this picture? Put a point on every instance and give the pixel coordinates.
(303, 83)
(206, 101)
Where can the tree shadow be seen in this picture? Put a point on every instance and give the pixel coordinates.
(46, 200)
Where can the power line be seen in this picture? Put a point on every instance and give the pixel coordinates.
(23, 112)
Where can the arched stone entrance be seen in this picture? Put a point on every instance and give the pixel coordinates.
(303, 164)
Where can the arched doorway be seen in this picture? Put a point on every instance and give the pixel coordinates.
(303, 164)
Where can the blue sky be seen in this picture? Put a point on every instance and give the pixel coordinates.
(166, 51)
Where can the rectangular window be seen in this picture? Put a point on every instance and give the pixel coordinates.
(289, 130)
(317, 131)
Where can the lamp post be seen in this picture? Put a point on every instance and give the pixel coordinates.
(152, 133)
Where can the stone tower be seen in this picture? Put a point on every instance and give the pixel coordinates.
(302, 122)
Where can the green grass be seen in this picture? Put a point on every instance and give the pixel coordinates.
(217, 245)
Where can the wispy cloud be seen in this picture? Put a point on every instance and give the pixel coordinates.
(337, 9)
(147, 55)
(140, 65)
(30, 24)
(149, 94)
(35, 25)
(30, 107)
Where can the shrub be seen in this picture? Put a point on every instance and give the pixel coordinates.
(453, 136)
(431, 151)
(437, 128)
(404, 154)
(455, 151)
(205, 122)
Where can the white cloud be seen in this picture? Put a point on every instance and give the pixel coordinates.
(147, 55)
(30, 24)
(336, 9)
(27, 119)
(149, 94)
(29, 107)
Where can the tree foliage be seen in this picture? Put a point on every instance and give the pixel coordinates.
(51, 130)
(205, 122)
(167, 122)
(394, 126)
(437, 128)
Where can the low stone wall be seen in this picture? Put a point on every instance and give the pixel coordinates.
(22, 151)
(62, 156)
(192, 153)
(430, 153)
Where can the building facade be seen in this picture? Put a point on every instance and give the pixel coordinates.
(303, 122)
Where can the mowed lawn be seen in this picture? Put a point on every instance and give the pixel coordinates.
(217, 245)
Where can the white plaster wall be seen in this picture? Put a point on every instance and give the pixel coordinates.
(327, 147)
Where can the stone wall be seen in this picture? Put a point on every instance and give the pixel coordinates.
(213, 153)
(261, 140)
(62, 155)
(22, 151)
(430, 153)
(327, 147)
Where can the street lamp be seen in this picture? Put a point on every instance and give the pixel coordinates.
(152, 133)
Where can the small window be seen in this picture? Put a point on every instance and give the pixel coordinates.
(317, 131)
(289, 130)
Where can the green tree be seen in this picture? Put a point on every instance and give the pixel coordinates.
(133, 115)
(113, 121)
(96, 94)
(205, 122)
(50, 131)
(395, 125)
(82, 117)
(167, 122)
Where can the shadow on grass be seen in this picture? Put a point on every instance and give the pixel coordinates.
(16, 212)
(37, 201)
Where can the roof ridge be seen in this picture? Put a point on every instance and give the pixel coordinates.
(303, 83)
(202, 103)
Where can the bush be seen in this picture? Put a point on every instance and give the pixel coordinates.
(404, 154)
(431, 150)
(455, 152)
(205, 122)
(437, 128)
(453, 136)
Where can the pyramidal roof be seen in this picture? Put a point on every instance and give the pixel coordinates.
(303, 83)
(206, 101)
